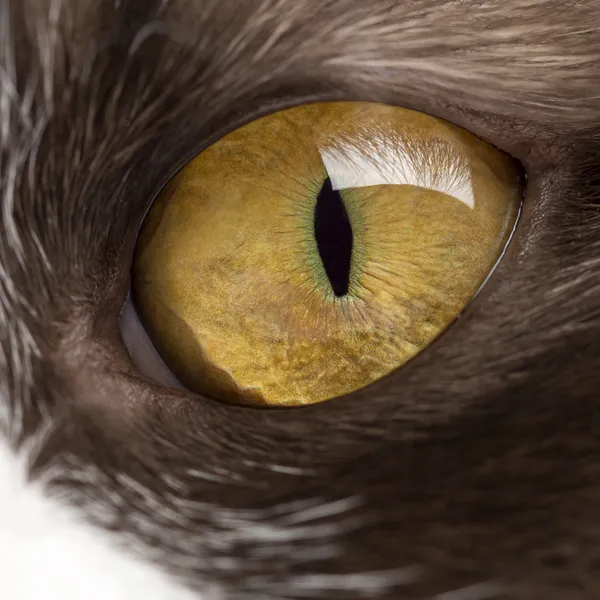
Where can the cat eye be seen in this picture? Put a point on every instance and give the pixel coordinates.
(317, 249)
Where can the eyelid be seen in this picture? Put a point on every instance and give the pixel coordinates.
(141, 350)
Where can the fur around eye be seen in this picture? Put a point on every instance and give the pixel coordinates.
(470, 473)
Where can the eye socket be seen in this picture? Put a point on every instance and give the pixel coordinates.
(315, 250)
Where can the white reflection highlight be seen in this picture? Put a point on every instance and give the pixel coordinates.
(374, 160)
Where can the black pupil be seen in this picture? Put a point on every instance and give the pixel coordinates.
(333, 233)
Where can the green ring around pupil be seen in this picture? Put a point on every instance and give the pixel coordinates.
(354, 205)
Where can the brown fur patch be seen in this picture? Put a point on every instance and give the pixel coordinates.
(478, 463)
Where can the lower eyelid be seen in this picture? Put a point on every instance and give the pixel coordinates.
(141, 350)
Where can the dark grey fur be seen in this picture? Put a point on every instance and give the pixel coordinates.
(476, 464)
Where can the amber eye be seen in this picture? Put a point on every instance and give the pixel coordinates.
(313, 251)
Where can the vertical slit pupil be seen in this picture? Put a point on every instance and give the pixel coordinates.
(333, 233)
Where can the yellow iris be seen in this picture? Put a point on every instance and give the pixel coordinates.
(313, 251)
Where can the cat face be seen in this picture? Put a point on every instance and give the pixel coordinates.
(470, 473)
